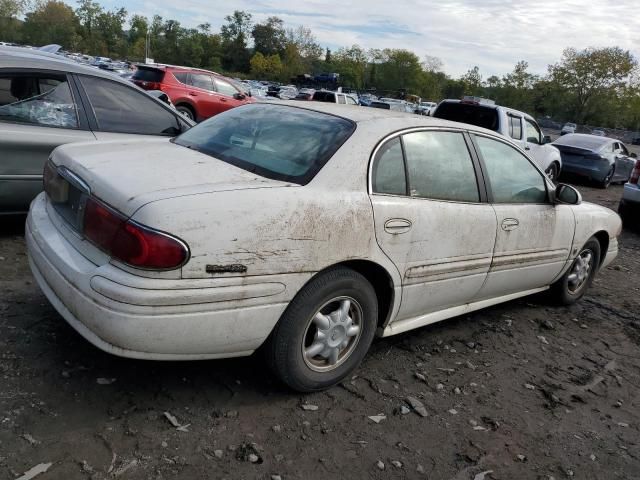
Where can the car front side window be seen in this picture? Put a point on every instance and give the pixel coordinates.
(225, 88)
(439, 166)
(533, 132)
(37, 99)
(511, 176)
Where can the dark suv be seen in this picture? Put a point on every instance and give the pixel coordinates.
(197, 94)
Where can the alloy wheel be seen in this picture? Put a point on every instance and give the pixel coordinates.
(332, 334)
(580, 271)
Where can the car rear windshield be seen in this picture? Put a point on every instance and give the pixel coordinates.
(478, 115)
(274, 141)
(148, 75)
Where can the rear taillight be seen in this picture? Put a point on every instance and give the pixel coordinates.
(635, 175)
(130, 242)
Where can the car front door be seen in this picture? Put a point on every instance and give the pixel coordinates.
(534, 237)
(624, 163)
(431, 219)
(533, 142)
(227, 94)
(39, 111)
(120, 111)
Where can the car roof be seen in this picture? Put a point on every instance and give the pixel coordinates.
(583, 140)
(166, 66)
(20, 57)
(400, 119)
(495, 107)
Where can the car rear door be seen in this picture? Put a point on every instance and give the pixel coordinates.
(120, 111)
(534, 236)
(227, 94)
(431, 218)
(39, 110)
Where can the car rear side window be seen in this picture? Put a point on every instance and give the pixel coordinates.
(389, 170)
(515, 127)
(120, 108)
(481, 116)
(37, 99)
(274, 141)
(148, 75)
(512, 177)
(181, 77)
(439, 166)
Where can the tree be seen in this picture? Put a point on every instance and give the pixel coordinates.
(266, 67)
(432, 64)
(472, 81)
(234, 41)
(588, 73)
(308, 47)
(269, 37)
(88, 12)
(10, 26)
(52, 22)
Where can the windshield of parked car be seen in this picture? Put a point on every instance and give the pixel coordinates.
(274, 141)
(478, 115)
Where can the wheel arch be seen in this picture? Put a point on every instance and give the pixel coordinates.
(603, 240)
(381, 280)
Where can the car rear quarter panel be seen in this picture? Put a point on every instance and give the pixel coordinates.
(269, 231)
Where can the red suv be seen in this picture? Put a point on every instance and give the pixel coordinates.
(198, 94)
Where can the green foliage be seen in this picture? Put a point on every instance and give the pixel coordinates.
(52, 22)
(599, 86)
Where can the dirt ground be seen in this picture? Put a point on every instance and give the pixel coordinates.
(525, 390)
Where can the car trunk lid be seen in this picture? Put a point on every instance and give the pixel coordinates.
(127, 175)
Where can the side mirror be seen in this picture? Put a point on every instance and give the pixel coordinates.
(633, 155)
(566, 194)
(546, 139)
(238, 96)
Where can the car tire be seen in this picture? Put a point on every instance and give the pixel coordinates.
(606, 181)
(187, 111)
(574, 283)
(553, 172)
(314, 345)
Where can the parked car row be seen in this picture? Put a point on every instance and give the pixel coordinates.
(47, 100)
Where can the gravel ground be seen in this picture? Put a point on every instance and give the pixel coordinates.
(525, 390)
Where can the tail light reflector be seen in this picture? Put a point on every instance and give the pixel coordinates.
(635, 175)
(130, 242)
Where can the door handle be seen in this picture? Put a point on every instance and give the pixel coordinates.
(222, 99)
(193, 94)
(527, 148)
(510, 224)
(396, 226)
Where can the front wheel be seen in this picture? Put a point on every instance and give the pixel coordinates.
(186, 111)
(575, 282)
(325, 331)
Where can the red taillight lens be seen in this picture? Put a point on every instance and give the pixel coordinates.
(635, 175)
(129, 242)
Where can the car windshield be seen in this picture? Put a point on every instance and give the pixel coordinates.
(278, 142)
(478, 115)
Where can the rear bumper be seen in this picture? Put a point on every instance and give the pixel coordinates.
(593, 172)
(150, 318)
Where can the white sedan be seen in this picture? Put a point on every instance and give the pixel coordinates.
(304, 230)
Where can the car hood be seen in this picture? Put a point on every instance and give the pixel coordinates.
(130, 174)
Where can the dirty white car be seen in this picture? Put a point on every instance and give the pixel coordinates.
(306, 229)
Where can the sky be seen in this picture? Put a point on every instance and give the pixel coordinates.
(492, 34)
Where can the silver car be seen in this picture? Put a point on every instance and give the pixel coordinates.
(47, 100)
(600, 159)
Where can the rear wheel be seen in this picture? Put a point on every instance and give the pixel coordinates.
(325, 331)
(575, 282)
(606, 181)
(187, 111)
